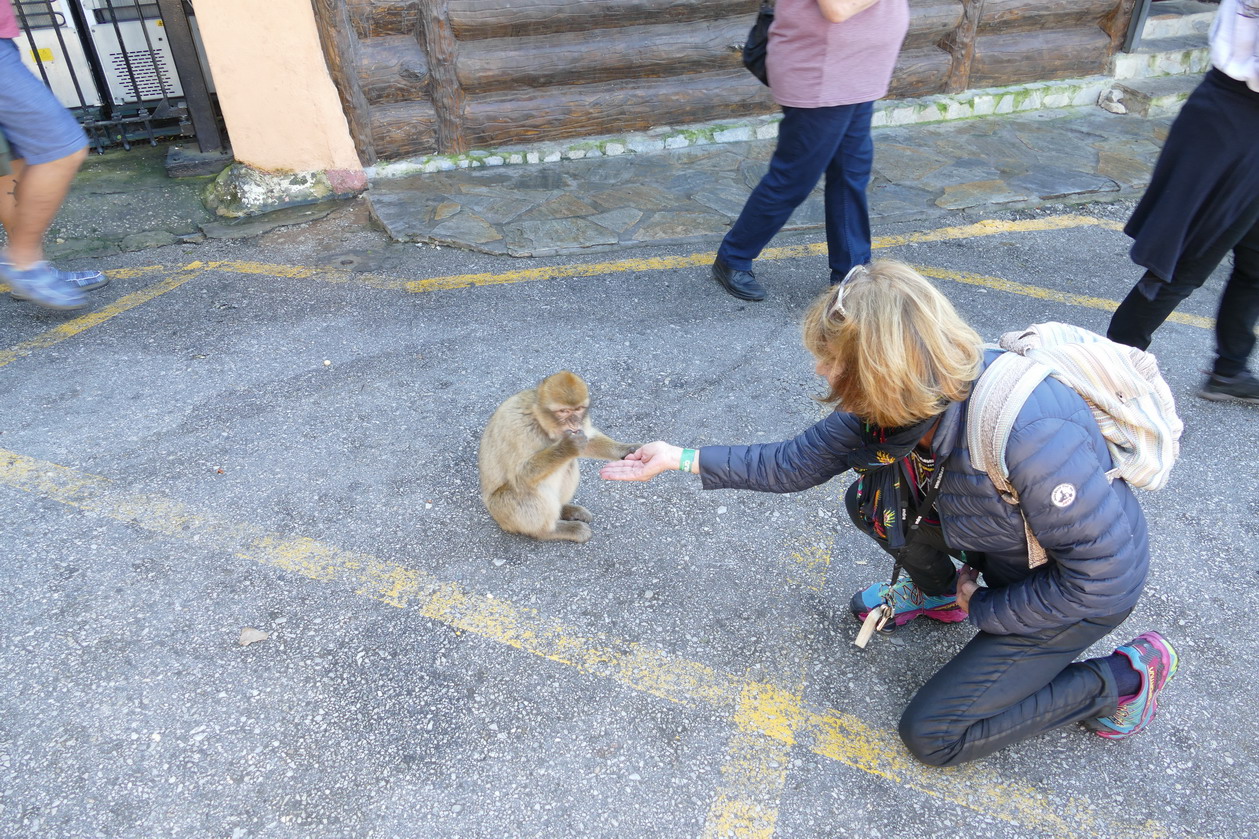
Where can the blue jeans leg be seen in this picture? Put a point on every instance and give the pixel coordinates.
(1001, 689)
(811, 142)
(847, 207)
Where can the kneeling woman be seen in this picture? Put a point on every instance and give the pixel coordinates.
(900, 363)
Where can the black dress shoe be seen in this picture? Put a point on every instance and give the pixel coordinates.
(741, 284)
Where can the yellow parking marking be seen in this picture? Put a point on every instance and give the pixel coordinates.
(755, 770)
(761, 709)
(458, 281)
(999, 284)
(665, 263)
(995, 227)
(83, 323)
(987, 227)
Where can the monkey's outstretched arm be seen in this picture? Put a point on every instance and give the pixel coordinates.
(545, 463)
(603, 447)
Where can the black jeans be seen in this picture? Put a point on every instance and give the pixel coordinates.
(1137, 317)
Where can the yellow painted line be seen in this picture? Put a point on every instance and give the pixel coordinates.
(763, 709)
(665, 263)
(85, 322)
(755, 771)
(999, 284)
(993, 227)
(594, 269)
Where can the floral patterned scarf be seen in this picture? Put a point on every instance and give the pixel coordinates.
(887, 486)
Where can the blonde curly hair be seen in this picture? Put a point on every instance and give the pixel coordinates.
(895, 349)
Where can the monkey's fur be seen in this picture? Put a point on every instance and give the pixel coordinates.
(528, 459)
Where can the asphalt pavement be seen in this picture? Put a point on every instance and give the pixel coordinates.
(249, 589)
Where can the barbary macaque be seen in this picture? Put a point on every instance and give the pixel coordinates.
(528, 459)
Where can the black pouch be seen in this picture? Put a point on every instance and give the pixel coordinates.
(757, 44)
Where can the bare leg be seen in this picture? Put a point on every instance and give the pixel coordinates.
(29, 201)
(575, 512)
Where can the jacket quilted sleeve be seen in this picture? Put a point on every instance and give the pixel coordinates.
(1092, 529)
(808, 459)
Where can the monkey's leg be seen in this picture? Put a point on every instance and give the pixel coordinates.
(575, 512)
(571, 531)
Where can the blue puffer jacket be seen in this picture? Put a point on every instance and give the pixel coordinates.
(1092, 529)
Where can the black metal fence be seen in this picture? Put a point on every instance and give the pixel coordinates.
(130, 70)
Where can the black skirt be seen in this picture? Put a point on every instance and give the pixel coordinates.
(1206, 178)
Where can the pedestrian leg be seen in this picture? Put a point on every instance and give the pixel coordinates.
(29, 200)
(1239, 309)
(847, 203)
(1150, 302)
(807, 142)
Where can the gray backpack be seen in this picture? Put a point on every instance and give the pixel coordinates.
(1122, 385)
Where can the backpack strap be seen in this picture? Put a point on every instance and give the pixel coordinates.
(995, 402)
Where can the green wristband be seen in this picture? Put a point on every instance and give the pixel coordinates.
(687, 460)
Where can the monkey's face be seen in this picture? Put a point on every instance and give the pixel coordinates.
(568, 417)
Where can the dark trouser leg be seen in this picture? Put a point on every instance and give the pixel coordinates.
(1138, 316)
(1001, 689)
(926, 563)
(1239, 308)
(847, 205)
(808, 140)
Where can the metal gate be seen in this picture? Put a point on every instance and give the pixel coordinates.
(129, 70)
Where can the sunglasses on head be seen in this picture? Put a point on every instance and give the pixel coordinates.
(837, 308)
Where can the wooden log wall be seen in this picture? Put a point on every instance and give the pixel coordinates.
(442, 76)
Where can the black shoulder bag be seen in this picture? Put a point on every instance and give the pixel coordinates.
(757, 44)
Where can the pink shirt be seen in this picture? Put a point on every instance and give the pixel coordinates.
(814, 63)
(8, 21)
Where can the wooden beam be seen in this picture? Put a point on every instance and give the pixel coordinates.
(1056, 54)
(445, 90)
(340, 48)
(476, 19)
(930, 21)
(392, 69)
(1009, 16)
(574, 111)
(382, 18)
(631, 54)
(960, 44)
(404, 129)
(920, 72)
(1117, 23)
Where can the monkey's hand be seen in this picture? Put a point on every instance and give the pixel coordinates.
(644, 464)
(577, 438)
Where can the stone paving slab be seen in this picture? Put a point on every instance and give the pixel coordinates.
(694, 194)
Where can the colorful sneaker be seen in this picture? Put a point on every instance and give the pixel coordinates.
(1243, 387)
(1156, 661)
(42, 284)
(909, 602)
